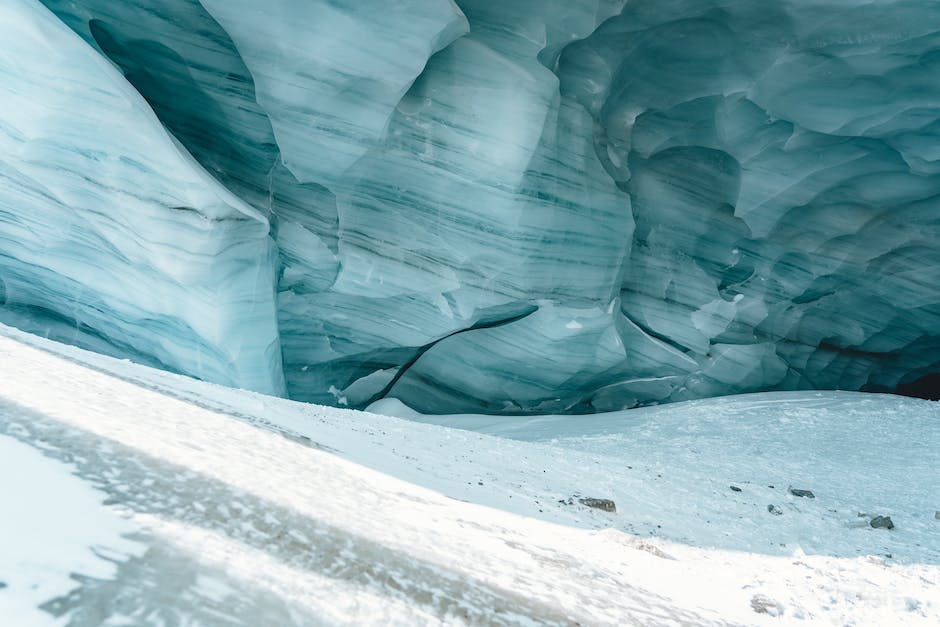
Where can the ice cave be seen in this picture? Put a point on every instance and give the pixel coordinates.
(469, 312)
(535, 206)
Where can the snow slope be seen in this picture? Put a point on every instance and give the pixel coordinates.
(675, 465)
(232, 508)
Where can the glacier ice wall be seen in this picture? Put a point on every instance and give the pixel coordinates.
(781, 158)
(106, 222)
(531, 205)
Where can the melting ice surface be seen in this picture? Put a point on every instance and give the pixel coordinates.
(41, 557)
(532, 205)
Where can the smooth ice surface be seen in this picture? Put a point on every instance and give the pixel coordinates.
(254, 511)
(40, 557)
(509, 207)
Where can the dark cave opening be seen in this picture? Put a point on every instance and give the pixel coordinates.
(927, 387)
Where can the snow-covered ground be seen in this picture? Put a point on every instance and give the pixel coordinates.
(134, 496)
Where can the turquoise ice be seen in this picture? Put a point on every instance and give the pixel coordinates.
(524, 206)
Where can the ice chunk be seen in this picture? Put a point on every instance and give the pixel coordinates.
(108, 223)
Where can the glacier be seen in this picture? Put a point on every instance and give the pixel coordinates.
(106, 223)
(473, 207)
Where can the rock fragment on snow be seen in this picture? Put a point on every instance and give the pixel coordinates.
(801, 493)
(937, 515)
(602, 504)
(882, 522)
(773, 509)
(735, 488)
(765, 605)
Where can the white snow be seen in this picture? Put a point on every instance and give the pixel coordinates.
(675, 465)
(357, 518)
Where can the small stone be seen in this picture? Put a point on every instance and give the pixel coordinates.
(773, 509)
(808, 494)
(735, 488)
(602, 504)
(765, 605)
(2, 585)
(937, 515)
(882, 522)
